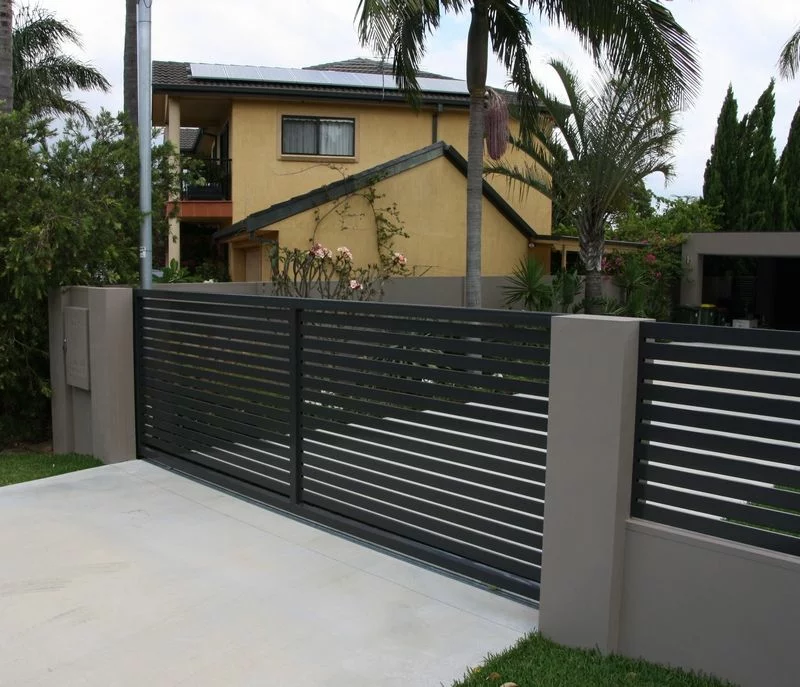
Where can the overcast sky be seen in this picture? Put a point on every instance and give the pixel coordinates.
(739, 42)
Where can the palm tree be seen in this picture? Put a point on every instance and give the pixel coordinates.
(639, 35)
(789, 61)
(42, 73)
(129, 65)
(592, 153)
(6, 62)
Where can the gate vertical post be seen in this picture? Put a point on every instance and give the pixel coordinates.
(590, 443)
(295, 406)
(138, 369)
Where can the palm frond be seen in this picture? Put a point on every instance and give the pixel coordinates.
(639, 36)
(789, 61)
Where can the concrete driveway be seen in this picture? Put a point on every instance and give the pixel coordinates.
(132, 575)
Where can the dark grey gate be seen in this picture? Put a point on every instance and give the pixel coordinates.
(420, 429)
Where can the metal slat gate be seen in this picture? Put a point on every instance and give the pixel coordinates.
(420, 429)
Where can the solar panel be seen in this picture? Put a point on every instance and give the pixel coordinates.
(232, 72)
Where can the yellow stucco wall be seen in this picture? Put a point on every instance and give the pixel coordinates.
(431, 202)
(262, 178)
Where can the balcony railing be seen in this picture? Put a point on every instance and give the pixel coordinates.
(206, 179)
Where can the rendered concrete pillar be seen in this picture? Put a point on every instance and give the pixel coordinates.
(692, 280)
(91, 370)
(174, 137)
(593, 376)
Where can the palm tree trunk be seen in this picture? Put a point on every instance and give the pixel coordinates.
(130, 72)
(6, 64)
(591, 248)
(477, 61)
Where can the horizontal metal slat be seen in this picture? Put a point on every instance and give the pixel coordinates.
(442, 459)
(221, 323)
(475, 329)
(725, 357)
(445, 445)
(460, 417)
(719, 528)
(265, 346)
(417, 484)
(248, 425)
(411, 381)
(741, 381)
(751, 515)
(238, 363)
(719, 486)
(699, 418)
(483, 347)
(720, 400)
(414, 467)
(220, 465)
(692, 333)
(775, 453)
(723, 466)
(414, 527)
(267, 416)
(458, 369)
(255, 309)
(492, 537)
(271, 406)
(156, 360)
(257, 453)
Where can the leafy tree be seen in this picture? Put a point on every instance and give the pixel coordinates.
(130, 71)
(789, 174)
(722, 183)
(640, 36)
(597, 152)
(789, 61)
(43, 74)
(6, 61)
(66, 217)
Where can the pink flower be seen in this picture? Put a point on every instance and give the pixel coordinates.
(399, 259)
(658, 275)
(356, 285)
(319, 251)
(344, 252)
(650, 258)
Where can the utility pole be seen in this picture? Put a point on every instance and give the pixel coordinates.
(145, 142)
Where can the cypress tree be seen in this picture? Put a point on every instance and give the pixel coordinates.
(722, 179)
(760, 165)
(789, 174)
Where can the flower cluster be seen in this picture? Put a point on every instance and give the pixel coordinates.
(319, 251)
(356, 285)
(399, 259)
(344, 252)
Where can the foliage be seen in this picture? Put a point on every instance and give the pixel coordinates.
(789, 61)
(66, 217)
(640, 37)
(43, 74)
(527, 287)
(537, 661)
(723, 185)
(789, 174)
(676, 217)
(741, 176)
(594, 157)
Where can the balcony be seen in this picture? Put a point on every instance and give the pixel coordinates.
(206, 179)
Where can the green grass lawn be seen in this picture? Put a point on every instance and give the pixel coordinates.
(23, 467)
(538, 662)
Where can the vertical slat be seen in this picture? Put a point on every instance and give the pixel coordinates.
(295, 407)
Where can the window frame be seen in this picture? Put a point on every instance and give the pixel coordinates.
(317, 119)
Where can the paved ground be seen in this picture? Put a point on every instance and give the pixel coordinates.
(132, 575)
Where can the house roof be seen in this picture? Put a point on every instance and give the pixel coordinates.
(171, 77)
(362, 65)
(324, 194)
(189, 138)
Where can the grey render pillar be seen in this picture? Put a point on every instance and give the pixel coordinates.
(593, 376)
(91, 372)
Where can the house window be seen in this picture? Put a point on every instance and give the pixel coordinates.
(318, 136)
